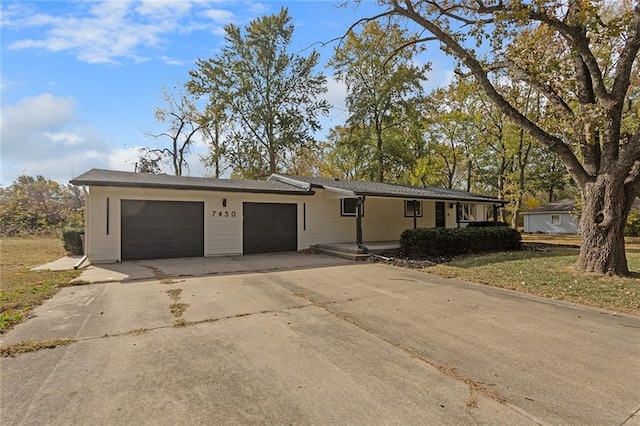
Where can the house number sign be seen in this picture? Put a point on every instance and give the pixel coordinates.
(223, 213)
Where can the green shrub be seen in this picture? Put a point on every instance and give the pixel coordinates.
(72, 238)
(432, 242)
(632, 228)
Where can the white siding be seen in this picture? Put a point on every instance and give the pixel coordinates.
(383, 219)
(223, 234)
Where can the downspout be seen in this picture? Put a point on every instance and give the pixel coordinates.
(80, 262)
(359, 205)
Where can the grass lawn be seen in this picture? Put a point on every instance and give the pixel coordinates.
(21, 289)
(549, 273)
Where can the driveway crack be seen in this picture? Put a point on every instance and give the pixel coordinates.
(631, 416)
(474, 387)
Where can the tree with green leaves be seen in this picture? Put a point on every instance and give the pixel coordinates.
(185, 123)
(581, 57)
(36, 205)
(214, 128)
(384, 93)
(272, 98)
(453, 129)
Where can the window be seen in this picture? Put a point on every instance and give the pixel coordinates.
(411, 207)
(555, 219)
(348, 207)
(467, 213)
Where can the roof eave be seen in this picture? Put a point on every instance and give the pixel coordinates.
(187, 187)
(425, 197)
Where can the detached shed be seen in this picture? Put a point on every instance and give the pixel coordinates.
(554, 218)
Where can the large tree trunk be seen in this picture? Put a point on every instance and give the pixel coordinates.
(604, 214)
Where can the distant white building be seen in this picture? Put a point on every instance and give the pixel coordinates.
(559, 217)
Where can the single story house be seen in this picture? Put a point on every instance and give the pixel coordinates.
(559, 217)
(143, 216)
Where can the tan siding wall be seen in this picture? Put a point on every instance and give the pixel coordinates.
(384, 219)
(324, 223)
(450, 214)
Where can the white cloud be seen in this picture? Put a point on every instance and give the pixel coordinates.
(104, 31)
(336, 93)
(32, 115)
(163, 8)
(258, 8)
(170, 61)
(220, 15)
(123, 159)
(42, 135)
(108, 31)
(66, 138)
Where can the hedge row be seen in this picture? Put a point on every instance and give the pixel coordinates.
(485, 224)
(72, 238)
(431, 242)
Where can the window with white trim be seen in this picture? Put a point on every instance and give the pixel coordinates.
(467, 213)
(412, 207)
(555, 219)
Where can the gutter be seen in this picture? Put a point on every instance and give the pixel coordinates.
(298, 184)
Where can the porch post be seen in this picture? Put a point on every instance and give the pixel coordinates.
(415, 218)
(359, 220)
(495, 213)
(458, 213)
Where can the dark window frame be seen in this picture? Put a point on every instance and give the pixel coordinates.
(408, 212)
(345, 213)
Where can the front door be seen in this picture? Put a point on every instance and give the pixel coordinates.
(440, 218)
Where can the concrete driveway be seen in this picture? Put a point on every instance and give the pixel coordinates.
(334, 344)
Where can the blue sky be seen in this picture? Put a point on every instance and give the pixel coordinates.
(80, 79)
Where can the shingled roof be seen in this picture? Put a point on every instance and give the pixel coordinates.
(567, 205)
(561, 206)
(276, 184)
(99, 177)
(377, 189)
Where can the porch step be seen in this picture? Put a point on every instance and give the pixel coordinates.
(343, 254)
(341, 247)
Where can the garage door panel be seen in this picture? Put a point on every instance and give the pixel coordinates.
(162, 229)
(269, 227)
